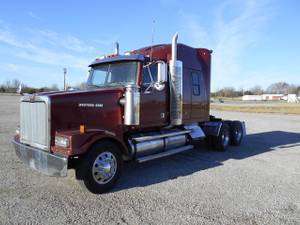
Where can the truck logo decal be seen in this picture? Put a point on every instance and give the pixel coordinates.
(32, 98)
(90, 105)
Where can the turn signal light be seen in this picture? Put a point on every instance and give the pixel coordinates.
(82, 129)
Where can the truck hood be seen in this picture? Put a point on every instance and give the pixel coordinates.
(95, 108)
(79, 92)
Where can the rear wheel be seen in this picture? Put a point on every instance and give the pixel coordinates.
(221, 142)
(236, 133)
(101, 168)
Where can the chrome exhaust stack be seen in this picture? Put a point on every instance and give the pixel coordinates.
(174, 48)
(176, 86)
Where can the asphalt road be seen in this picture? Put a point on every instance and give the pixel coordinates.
(256, 183)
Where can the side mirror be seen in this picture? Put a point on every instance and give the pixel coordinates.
(161, 75)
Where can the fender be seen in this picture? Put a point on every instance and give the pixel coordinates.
(80, 143)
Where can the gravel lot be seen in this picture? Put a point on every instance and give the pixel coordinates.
(256, 183)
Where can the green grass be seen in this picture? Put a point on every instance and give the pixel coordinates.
(280, 108)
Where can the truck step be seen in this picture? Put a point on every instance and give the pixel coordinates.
(163, 154)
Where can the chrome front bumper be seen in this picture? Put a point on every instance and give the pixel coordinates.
(45, 162)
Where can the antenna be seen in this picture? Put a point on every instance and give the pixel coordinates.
(65, 73)
(152, 39)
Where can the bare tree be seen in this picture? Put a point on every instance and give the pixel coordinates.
(54, 87)
(278, 88)
(15, 83)
(227, 92)
(11, 85)
(282, 88)
(298, 90)
(292, 89)
(257, 90)
(2, 88)
(7, 84)
(81, 85)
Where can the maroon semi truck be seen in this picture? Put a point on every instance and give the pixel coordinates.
(146, 104)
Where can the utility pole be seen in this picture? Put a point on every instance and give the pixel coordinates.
(65, 73)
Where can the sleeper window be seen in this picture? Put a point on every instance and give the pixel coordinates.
(196, 83)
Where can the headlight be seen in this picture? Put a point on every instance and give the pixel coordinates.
(62, 141)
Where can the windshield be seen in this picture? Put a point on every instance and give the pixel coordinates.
(111, 74)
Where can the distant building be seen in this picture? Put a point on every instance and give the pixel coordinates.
(252, 98)
(272, 97)
(292, 98)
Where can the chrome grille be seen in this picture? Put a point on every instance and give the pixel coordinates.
(34, 122)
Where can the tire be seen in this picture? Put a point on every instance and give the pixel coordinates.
(236, 133)
(209, 140)
(100, 168)
(221, 142)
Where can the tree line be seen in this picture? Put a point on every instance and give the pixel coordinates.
(275, 88)
(12, 86)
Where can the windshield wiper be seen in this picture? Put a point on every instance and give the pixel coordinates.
(115, 83)
(94, 85)
(106, 85)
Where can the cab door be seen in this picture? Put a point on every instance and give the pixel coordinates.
(154, 103)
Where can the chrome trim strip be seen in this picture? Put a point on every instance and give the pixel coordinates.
(149, 138)
(163, 154)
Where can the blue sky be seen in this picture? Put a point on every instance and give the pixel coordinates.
(254, 42)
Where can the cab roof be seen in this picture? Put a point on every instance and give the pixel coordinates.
(134, 57)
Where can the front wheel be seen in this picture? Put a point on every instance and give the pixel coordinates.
(100, 168)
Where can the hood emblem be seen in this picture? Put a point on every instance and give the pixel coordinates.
(90, 105)
(32, 98)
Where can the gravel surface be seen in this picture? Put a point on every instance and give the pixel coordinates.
(256, 183)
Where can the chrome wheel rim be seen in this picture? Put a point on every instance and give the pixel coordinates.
(104, 167)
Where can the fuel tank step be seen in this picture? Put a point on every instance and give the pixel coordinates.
(163, 154)
(153, 137)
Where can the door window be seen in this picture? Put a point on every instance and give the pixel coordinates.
(150, 73)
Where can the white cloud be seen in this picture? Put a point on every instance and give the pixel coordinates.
(235, 27)
(108, 41)
(67, 41)
(193, 25)
(235, 36)
(30, 51)
(7, 37)
(34, 16)
(36, 57)
(48, 57)
(10, 67)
